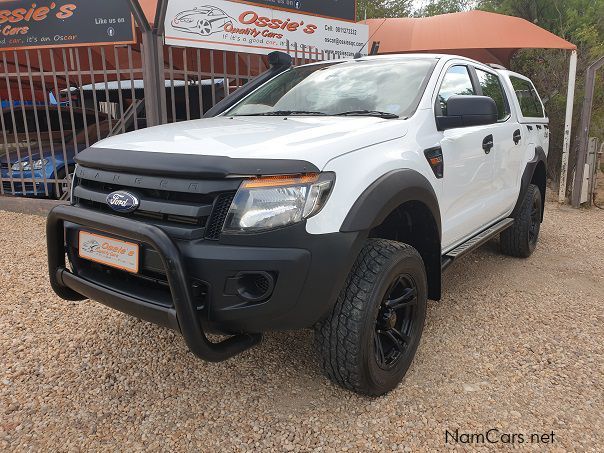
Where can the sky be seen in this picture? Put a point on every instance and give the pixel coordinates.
(417, 4)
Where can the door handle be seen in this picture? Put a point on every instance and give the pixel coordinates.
(517, 136)
(487, 144)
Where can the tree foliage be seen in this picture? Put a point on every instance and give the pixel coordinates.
(580, 22)
(383, 8)
(436, 7)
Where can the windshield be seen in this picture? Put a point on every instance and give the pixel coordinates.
(385, 88)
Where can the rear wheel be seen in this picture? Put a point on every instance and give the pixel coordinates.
(368, 341)
(520, 240)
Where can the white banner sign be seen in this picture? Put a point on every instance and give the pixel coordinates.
(227, 25)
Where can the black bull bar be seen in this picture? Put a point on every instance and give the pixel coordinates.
(184, 317)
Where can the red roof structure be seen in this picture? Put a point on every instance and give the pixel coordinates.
(483, 36)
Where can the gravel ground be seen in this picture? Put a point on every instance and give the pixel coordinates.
(515, 345)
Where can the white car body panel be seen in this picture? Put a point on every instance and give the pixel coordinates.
(477, 190)
(358, 170)
(314, 139)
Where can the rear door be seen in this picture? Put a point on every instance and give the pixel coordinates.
(468, 175)
(531, 111)
(509, 143)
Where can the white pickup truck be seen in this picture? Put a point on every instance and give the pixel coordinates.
(327, 196)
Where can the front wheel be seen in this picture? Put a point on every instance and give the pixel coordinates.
(368, 341)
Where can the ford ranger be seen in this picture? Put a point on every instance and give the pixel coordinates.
(327, 196)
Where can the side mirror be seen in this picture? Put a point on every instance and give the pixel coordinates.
(465, 111)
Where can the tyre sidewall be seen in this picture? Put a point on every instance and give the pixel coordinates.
(402, 263)
(536, 197)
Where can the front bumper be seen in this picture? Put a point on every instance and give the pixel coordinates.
(307, 273)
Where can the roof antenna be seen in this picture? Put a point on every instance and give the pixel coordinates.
(358, 54)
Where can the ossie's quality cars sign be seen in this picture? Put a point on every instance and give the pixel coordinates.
(60, 23)
(227, 25)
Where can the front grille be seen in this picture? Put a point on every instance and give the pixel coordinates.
(185, 209)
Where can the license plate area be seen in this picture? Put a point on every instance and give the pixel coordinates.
(109, 251)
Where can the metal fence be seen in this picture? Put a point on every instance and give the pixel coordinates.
(57, 102)
(196, 79)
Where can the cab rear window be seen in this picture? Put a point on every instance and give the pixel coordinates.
(530, 104)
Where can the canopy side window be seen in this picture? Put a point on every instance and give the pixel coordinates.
(530, 103)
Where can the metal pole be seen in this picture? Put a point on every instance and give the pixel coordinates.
(150, 82)
(158, 33)
(139, 16)
(153, 76)
(160, 17)
(570, 99)
(590, 82)
(592, 158)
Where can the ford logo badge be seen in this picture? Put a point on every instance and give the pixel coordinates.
(122, 201)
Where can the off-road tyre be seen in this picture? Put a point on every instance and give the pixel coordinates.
(520, 240)
(346, 339)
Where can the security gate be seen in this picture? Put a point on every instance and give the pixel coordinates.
(57, 102)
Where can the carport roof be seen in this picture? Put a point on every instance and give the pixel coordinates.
(484, 36)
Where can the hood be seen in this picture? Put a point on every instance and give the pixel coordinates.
(313, 139)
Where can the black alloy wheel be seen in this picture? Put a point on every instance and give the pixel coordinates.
(396, 322)
(368, 341)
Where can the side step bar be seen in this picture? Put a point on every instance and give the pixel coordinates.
(475, 241)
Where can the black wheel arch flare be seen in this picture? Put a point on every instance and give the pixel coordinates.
(535, 172)
(393, 190)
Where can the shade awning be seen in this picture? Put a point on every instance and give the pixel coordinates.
(484, 36)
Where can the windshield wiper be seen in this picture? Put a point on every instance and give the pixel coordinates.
(386, 115)
(285, 113)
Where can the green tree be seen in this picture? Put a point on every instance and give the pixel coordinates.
(580, 22)
(436, 7)
(383, 8)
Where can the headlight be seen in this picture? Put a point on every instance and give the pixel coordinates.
(265, 203)
(25, 165)
(40, 164)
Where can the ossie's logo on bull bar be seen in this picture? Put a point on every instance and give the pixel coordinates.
(273, 28)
